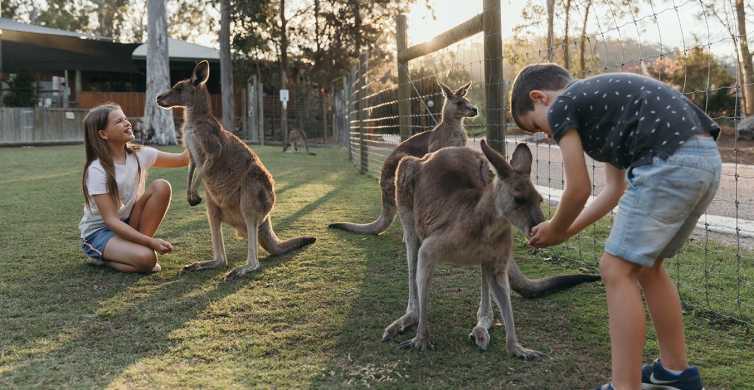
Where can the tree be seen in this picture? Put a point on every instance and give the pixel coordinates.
(226, 67)
(582, 42)
(745, 59)
(158, 123)
(738, 34)
(550, 31)
(566, 43)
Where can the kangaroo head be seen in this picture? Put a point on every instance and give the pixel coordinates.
(187, 93)
(516, 199)
(456, 105)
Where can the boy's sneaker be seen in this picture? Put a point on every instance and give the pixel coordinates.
(655, 377)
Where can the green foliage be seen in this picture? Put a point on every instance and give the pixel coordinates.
(22, 92)
(700, 74)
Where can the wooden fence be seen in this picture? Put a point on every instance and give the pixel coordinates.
(30, 126)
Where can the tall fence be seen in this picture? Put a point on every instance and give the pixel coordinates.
(715, 272)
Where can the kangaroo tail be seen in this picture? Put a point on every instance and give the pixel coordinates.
(272, 244)
(377, 226)
(535, 288)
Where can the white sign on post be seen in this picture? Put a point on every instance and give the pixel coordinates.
(284, 97)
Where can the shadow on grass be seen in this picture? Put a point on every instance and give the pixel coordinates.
(133, 317)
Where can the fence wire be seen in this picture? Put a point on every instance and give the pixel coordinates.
(715, 271)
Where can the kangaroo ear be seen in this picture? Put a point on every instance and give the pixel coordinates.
(497, 160)
(521, 160)
(445, 89)
(200, 73)
(463, 90)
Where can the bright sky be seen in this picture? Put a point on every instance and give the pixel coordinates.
(421, 26)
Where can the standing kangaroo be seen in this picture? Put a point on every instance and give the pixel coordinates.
(453, 209)
(238, 186)
(449, 132)
(296, 137)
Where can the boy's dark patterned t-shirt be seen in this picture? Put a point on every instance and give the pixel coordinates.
(626, 119)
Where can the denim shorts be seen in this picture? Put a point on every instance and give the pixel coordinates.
(94, 244)
(663, 202)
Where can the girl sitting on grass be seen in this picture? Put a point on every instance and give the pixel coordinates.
(120, 217)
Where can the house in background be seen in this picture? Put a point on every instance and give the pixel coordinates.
(75, 70)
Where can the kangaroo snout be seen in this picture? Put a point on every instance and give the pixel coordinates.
(473, 112)
(160, 99)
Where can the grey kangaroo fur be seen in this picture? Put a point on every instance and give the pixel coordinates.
(239, 188)
(453, 209)
(449, 132)
(296, 137)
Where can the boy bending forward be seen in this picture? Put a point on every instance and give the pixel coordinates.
(662, 164)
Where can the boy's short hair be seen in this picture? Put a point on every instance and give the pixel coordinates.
(546, 77)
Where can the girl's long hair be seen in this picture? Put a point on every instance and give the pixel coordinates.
(96, 148)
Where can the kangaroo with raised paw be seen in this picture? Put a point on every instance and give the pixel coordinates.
(238, 187)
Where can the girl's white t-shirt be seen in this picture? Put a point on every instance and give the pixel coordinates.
(130, 187)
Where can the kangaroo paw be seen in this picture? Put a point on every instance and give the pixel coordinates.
(202, 265)
(194, 200)
(399, 326)
(525, 353)
(239, 272)
(481, 337)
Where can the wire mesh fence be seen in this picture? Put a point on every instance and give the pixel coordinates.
(693, 45)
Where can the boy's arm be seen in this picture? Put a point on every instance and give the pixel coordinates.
(608, 198)
(171, 160)
(577, 191)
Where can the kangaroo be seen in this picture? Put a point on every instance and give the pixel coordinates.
(296, 137)
(453, 209)
(449, 132)
(238, 186)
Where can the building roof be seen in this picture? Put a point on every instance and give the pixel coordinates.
(181, 50)
(38, 48)
(12, 25)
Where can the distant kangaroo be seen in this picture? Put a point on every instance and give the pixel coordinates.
(453, 209)
(449, 132)
(238, 186)
(296, 137)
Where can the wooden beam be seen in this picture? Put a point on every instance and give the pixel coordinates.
(455, 34)
(404, 90)
(493, 74)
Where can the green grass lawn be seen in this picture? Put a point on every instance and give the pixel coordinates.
(310, 319)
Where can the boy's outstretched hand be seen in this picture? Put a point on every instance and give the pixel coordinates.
(544, 235)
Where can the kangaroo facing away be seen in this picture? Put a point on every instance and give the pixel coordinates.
(449, 132)
(296, 137)
(453, 209)
(239, 188)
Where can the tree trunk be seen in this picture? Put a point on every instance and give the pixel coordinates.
(158, 123)
(566, 43)
(746, 61)
(226, 67)
(284, 70)
(550, 32)
(582, 46)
